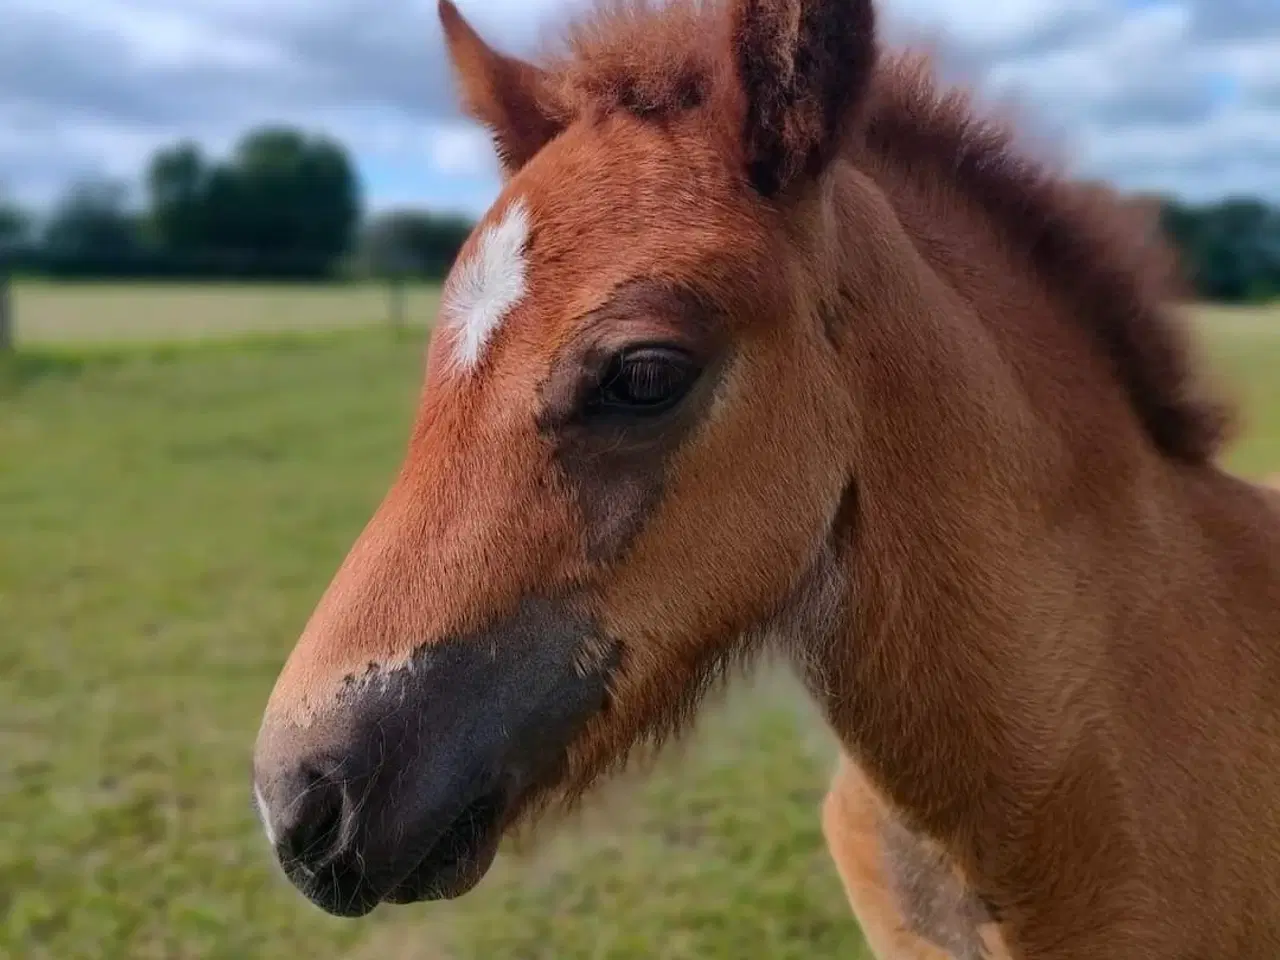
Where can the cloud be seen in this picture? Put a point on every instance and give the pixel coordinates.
(996, 28)
(1150, 95)
(1235, 19)
(1181, 95)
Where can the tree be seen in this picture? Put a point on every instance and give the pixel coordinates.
(286, 198)
(1231, 248)
(284, 203)
(177, 190)
(93, 230)
(413, 242)
(15, 225)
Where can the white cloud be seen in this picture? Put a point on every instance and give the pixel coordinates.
(461, 150)
(1181, 95)
(999, 23)
(156, 37)
(1255, 62)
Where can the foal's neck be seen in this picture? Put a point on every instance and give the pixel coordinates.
(1007, 505)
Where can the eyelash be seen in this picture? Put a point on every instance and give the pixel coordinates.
(644, 381)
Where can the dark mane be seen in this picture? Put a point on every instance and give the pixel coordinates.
(657, 59)
(647, 57)
(1111, 266)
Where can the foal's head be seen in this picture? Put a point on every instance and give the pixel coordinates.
(572, 545)
(632, 448)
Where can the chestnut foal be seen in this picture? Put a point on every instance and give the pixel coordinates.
(769, 341)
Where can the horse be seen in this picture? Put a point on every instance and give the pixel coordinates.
(772, 341)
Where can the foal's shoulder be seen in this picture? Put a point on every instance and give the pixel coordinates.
(1271, 490)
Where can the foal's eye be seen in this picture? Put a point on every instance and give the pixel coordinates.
(645, 380)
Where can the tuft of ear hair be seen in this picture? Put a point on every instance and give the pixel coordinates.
(507, 95)
(805, 69)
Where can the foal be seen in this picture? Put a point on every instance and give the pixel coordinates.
(769, 341)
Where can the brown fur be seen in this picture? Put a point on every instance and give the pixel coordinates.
(907, 901)
(951, 454)
(1082, 242)
(637, 57)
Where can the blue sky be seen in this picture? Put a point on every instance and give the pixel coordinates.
(1177, 95)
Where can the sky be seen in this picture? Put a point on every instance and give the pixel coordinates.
(1172, 95)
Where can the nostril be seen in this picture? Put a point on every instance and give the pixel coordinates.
(310, 829)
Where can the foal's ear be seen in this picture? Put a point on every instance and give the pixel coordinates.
(805, 69)
(507, 95)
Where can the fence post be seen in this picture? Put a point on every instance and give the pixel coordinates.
(6, 306)
(397, 293)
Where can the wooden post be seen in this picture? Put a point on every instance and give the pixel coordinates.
(397, 292)
(6, 307)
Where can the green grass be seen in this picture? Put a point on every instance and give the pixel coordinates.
(80, 313)
(169, 516)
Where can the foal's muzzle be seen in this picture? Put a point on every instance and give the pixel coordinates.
(402, 790)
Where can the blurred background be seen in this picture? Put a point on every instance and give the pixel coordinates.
(222, 223)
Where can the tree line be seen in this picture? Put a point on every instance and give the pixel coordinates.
(285, 204)
(1230, 249)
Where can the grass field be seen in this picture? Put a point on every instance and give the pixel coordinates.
(170, 514)
(111, 313)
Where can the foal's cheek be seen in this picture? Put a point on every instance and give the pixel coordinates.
(614, 491)
(616, 516)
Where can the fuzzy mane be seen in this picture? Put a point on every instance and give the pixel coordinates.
(655, 60)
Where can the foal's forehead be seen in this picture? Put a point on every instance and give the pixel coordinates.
(488, 282)
(597, 211)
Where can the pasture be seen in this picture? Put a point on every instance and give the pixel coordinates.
(170, 514)
(111, 313)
